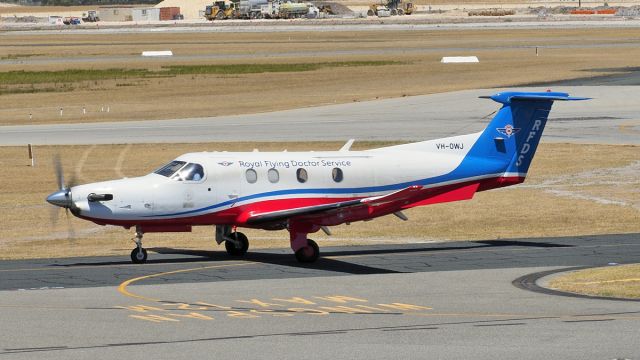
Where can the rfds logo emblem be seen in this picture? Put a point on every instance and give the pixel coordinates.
(508, 130)
(225, 163)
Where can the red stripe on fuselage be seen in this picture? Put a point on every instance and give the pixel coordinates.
(238, 215)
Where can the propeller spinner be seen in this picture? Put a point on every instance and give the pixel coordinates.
(62, 197)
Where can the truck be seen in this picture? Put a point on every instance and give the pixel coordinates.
(290, 10)
(251, 9)
(90, 16)
(71, 21)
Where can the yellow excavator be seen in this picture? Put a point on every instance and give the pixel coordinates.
(392, 7)
(221, 10)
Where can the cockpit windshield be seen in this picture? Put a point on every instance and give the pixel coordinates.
(182, 171)
(170, 168)
(191, 172)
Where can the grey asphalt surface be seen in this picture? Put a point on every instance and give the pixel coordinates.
(611, 117)
(441, 300)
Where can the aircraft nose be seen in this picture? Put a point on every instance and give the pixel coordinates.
(60, 198)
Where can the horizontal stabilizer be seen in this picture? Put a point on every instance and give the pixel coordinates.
(507, 97)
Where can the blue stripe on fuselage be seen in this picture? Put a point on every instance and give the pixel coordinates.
(464, 170)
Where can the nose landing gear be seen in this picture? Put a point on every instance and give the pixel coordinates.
(236, 243)
(139, 254)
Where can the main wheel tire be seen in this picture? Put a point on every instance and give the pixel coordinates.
(231, 247)
(394, 12)
(139, 256)
(309, 253)
(220, 15)
(370, 13)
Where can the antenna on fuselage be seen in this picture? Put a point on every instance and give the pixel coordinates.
(347, 146)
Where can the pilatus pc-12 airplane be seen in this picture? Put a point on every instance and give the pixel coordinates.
(304, 192)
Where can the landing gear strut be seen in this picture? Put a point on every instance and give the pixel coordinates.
(139, 254)
(235, 242)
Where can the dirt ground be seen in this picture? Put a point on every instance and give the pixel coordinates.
(507, 58)
(561, 197)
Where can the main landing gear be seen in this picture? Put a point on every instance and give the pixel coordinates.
(237, 244)
(306, 250)
(309, 253)
(139, 254)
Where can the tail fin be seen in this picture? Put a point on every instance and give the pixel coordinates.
(513, 135)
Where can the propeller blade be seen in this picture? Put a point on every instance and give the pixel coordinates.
(57, 165)
(54, 214)
(73, 181)
(71, 232)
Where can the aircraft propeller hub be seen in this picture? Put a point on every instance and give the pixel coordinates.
(61, 198)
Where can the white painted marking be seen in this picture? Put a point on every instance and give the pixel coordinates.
(459, 59)
(157, 53)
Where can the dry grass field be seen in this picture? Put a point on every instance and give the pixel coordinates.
(563, 196)
(507, 58)
(614, 281)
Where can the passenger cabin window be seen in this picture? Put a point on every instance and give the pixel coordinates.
(170, 168)
(302, 175)
(251, 175)
(337, 175)
(273, 175)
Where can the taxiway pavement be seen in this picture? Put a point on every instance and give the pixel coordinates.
(611, 117)
(444, 300)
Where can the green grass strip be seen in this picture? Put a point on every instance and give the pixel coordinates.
(77, 75)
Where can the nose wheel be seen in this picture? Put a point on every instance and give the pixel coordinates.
(236, 244)
(139, 254)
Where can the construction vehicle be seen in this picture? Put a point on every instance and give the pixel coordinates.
(327, 10)
(90, 16)
(221, 10)
(284, 10)
(290, 10)
(251, 9)
(378, 10)
(394, 7)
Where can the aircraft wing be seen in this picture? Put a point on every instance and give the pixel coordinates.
(396, 199)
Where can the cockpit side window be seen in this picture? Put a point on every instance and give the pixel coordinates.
(170, 168)
(191, 172)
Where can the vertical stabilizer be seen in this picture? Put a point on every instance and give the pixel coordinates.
(513, 135)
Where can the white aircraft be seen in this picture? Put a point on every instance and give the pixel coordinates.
(304, 192)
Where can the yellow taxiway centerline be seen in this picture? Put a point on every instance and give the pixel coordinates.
(123, 286)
